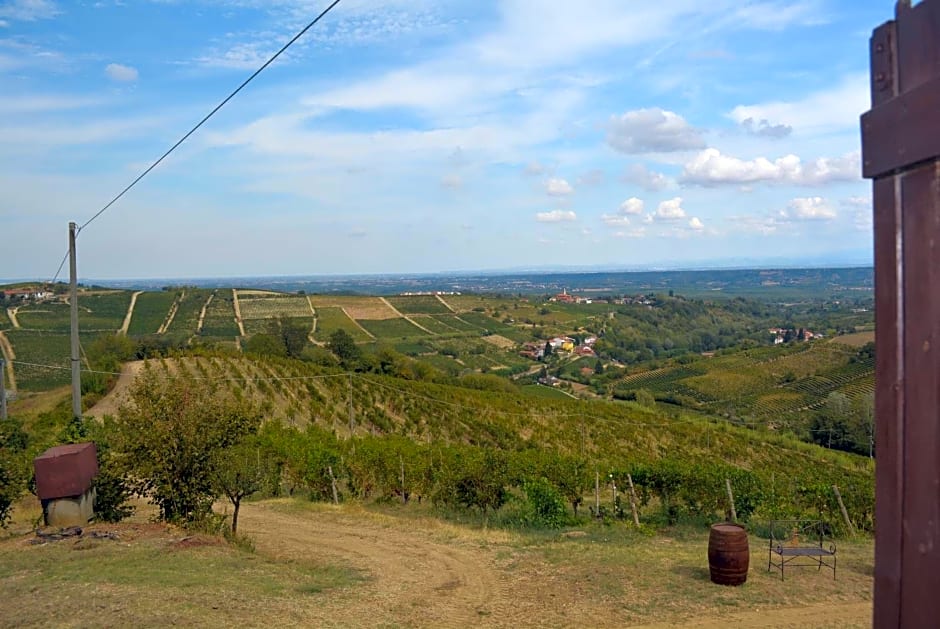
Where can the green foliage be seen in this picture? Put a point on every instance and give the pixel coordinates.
(547, 507)
(472, 478)
(344, 347)
(167, 435)
(238, 471)
(14, 465)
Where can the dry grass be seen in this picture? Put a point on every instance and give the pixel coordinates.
(499, 341)
(367, 308)
(395, 565)
(855, 340)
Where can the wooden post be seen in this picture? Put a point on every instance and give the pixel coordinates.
(404, 495)
(350, 406)
(845, 513)
(901, 154)
(333, 484)
(597, 493)
(734, 514)
(636, 516)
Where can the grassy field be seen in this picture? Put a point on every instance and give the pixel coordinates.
(390, 329)
(357, 307)
(331, 319)
(393, 565)
(418, 304)
(150, 312)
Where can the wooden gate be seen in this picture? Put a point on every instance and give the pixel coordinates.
(901, 153)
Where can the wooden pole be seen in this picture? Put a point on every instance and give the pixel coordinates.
(597, 493)
(401, 462)
(333, 484)
(350, 406)
(73, 308)
(636, 516)
(845, 513)
(734, 514)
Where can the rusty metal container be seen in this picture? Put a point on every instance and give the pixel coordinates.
(728, 554)
(65, 471)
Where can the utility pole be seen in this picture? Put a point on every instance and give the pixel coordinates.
(3, 389)
(73, 302)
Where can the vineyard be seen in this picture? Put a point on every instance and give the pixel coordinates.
(331, 319)
(418, 304)
(780, 474)
(151, 311)
(391, 329)
(220, 317)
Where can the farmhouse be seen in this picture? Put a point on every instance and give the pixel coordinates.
(585, 350)
(26, 294)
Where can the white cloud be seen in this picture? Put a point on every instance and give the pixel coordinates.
(711, 168)
(765, 129)
(640, 175)
(593, 177)
(122, 73)
(556, 216)
(696, 224)
(832, 109)
(632, 205)
(28, 10)
(615, 220)
(558, 187)
(637, 232)
(652, 131)
(670, 210)
(809, 209)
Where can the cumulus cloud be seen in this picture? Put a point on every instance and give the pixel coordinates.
(809, 209)
(556, 216)
(652, 131)
(558, 187)
(711, 168)
(696, 224)
(640, 175)
(122, 73)
(670, 210)
(632, 206)
(765, 129)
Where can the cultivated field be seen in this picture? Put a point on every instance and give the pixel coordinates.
(358, 307)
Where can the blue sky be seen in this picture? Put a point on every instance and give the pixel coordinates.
(426, 136)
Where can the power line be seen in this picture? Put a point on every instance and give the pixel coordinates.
(271, 60)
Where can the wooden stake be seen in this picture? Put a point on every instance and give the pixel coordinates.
(734, 515)
(597, 493)
(401, 462)
(333, 483)
(636, 516)
(845, 514)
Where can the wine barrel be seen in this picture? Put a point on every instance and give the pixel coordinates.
(728, 554)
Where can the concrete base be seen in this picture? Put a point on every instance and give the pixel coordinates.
(71, 511)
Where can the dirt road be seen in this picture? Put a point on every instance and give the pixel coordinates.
(428, 573)
(6, 350)
(414, 579)
(130, 313)
(109, 404)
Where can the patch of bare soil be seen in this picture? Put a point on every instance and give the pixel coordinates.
(109, 404)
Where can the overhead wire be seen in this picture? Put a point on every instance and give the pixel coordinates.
(244, 83)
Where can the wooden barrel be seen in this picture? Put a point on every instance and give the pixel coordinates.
(728, 554)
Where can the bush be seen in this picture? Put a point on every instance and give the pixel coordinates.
(14, 466)
(547, 507)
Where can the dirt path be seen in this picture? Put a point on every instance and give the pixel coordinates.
(7, 350)
(446, 305)
(414, 579)
(109, 404)
(11, 312)
(406, 317)
(171, 314)
(824, 616)
(130, 313)
(202, 313)
(238, 313)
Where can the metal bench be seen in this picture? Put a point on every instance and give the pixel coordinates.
(799, 544)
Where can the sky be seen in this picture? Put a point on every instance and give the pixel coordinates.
(424, 136)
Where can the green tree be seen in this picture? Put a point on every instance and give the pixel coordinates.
(343, 345)
(239, 471)
(167, 435)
